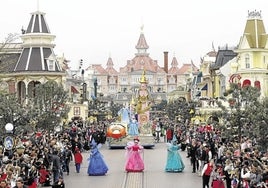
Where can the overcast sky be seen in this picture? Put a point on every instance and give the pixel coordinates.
(94, 30)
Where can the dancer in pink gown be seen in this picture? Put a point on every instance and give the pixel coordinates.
(134, 160)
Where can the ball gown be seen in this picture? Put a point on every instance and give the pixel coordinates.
(97, 165)
(133, 128)
(134, 161)
(174, 161)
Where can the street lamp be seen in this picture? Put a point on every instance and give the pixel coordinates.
(8, 142)
(9, 128)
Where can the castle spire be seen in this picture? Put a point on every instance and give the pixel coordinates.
(142, 45)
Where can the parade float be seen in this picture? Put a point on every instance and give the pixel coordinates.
(133, 120)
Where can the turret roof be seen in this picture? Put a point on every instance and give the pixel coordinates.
(255, 31)
(37, 53)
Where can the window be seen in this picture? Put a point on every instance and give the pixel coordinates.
(257, 84)
(112, 81)
(76, 111)
(247, 61)
(51, 65)
(172, 80)
(4, 86)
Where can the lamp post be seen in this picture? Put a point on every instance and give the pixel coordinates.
(9, 128)
(8, 141)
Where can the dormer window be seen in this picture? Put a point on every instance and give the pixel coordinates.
(50, 65)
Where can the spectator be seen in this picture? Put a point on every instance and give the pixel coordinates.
(59, 184)
(20, 183)
(56, 166)
(206, 172)
(78, 159)
(3, 184)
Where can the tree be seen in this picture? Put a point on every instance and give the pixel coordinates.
(12, 112)
(182, 108)
(49, 105)
(4, 51)
(248, 115)
(114, 108)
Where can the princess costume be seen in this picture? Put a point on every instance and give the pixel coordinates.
(134, 161)
(97, 166)
(174, 161)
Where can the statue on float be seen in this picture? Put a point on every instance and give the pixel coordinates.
(143, 106)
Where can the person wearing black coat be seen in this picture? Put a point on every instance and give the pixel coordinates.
(193, 155)
(56, 166)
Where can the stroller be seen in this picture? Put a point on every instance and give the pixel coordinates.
(45, 177)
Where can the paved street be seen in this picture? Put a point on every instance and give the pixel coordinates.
(154, 174)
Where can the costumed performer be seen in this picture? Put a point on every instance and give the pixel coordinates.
(133, 128)
(97, 165)
(174, 161)
(124, 115)
(134, 161)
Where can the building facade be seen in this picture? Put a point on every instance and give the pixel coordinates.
(33, 62)
(162, 81)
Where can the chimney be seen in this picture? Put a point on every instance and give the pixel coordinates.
(166, 62)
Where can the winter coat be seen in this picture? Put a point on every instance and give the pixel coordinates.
(78, 158)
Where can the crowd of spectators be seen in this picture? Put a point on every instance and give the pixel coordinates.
(46, 156)
(242, 163)
(43, 157)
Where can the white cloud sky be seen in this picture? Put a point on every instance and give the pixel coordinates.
(94, 30)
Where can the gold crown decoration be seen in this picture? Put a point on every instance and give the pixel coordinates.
(143, 78)
(132, 102)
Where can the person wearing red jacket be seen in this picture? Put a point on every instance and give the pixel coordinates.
(78, 159)
(206, 172)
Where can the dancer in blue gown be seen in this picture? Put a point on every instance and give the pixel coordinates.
(124, 115)
(133, 127)
(174, 161)
(97, 165)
